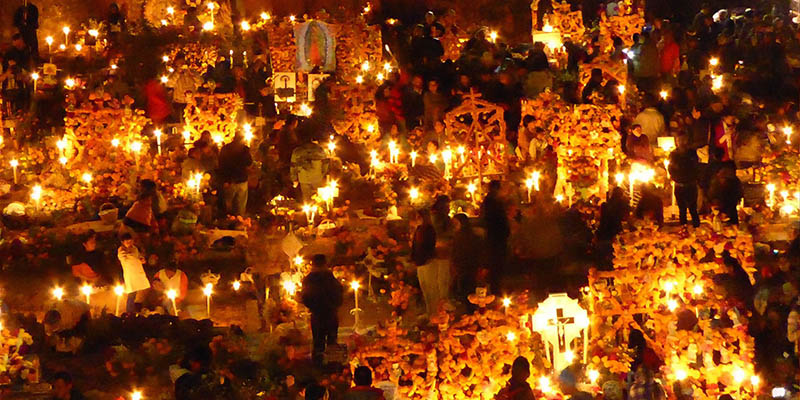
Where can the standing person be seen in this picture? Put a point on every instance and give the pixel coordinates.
(322, 294)
(158, 107)
(116, 22)
(363, 390)
(518, 387)
(234, 163)
(683, 168)
(434, 104)
(26, 19)
(423, 253)
(64, 389)
(465, 257)
(413, 102)
(495, 220)
(132, 271)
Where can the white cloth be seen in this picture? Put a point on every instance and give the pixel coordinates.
(434, 280)
(132, 269)
(172, 283)
(652, 123)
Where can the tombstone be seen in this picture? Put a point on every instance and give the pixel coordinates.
(560, 320)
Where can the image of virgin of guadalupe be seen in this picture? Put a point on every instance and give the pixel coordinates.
(316, 47)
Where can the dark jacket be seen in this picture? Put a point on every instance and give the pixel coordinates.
(322, 292)
(423, 247)
(683, 167)
(234, 158)
(495, 220)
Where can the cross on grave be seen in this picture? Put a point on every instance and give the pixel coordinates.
(560, 320)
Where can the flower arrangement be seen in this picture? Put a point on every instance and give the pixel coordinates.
(667, 279)
(216, 113)
(15, 367)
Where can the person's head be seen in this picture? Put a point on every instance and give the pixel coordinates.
(520, 369)
(147, 186)
(636, 130)
(529, 122)
(362, 376)
(17, 41)
(682, 141)
(461, 222)
(51, 321)
(126, 239)
(417, 82)
(205, 138)
(494, 186)
(437, 30)
(315, 391)
(319, 261)
(433, 86)
(90, 242)
(430, 17)
(464, 80)
(433, 147)
(438, 127)
(198, 359)
(424, 216)
(62, 385)
(114, 8)
(597, 75)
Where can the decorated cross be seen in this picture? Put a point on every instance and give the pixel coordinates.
(560, 320)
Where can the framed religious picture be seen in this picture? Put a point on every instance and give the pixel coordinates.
(316, 47)
(285, 86)
(314, 80)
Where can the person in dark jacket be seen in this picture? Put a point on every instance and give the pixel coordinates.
(322, 294)
(518, 387)
(64, 389)
(465, 257)
(726, 192)
(683, 169)
(423, 244)
(495, 220)
(26, 20)
(234, 162)
(363, 390)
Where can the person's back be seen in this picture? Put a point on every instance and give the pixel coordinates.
(322, 292)
(363, 390)
(683, 166)
(234, 159)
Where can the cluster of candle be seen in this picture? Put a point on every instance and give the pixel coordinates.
(366, 70)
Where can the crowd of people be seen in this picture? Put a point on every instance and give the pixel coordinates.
(722, 84)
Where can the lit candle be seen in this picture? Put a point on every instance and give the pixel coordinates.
(136, 395)
(119, 290)
(49, 41)
(211, 8)
(207, 291)
(771, 190)
(87, 178)
(331, 148)
(265, 16)
(355, 285)
(36, 196)
(157, 133)
(413, 155)
(14, 164)
(529, 185)
(248, 133)
(236, 285)
(86, 289)
(58, 293)
(413, 194)
(171, 295)
(506, 304)
(35, 77)
(136, 147)
(664, 94)
(787, 130)
(66, 30)
(447, 157)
